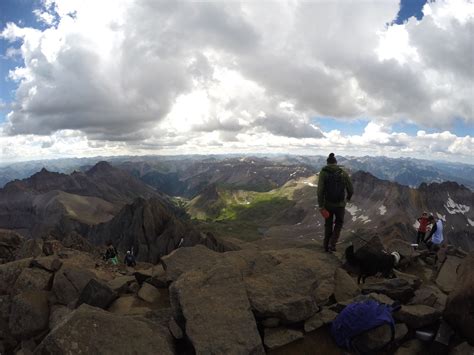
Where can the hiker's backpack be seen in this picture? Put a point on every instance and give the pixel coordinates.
(359, 317)
(334, 186)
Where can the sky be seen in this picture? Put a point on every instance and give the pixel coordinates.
(120, 77)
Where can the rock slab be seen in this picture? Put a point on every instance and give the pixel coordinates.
(90, 330)
(216, 311)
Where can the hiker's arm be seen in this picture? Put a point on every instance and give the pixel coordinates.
(433, 230)
(349, 187)
(321, 190)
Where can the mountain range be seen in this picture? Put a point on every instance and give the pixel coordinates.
(236, 198)
(171, 172)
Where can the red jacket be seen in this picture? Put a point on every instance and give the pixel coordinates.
(423, 224)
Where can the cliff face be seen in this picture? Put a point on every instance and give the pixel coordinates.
(394, 208)
(152, 228)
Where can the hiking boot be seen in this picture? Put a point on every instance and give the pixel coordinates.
(331, 249)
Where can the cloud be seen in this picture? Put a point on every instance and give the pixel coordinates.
(178, 76)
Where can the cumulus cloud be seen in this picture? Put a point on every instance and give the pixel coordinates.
(178, 76)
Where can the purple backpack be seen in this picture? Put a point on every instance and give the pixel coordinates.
(358, 318)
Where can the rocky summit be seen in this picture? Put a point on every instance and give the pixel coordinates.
(257, 298)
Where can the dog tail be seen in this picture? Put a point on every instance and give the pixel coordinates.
(350, 256)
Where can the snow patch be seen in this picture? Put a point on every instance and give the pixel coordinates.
(453, 207)
(353, 209)
(382, 210)
(470, 222)
(309, 183)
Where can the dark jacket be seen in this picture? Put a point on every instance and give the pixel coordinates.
(330, 168)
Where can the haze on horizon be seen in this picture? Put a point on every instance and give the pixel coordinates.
(82, 78)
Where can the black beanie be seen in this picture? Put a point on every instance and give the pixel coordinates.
(331, 159)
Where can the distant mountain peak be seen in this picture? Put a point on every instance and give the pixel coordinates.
(100, 167)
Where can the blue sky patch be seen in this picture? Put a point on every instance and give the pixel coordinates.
(410, 8)
(349, 127)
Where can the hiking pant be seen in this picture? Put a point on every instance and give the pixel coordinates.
(332, 226)
(420, 237)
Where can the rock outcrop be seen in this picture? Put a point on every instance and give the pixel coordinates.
(460, 303)
(90, 330)
(224, 326)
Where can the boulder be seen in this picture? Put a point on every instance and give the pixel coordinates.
(379, 297)
(121, 284)
(32, 279)
(175, 329)
(29, 313)
(373, 245)
(397, 289)
(57, 314)
(344, 286)
(90, 330)
(277, 337)
(430, 296)
(159, 278)
(48, 263)
(216, 311)
(284, 293)
(69, 282)
(446, 279)
(31, 248)
(96, 294)
(292, 289)
(379, 337)
(462, 349)
(148, 293)
(321, 318)
(78, 242)
(9, 273)
(52, 247)
(417, 316)
(143, 275)
(130, 305)
(189, 258)
(10, 242)
(460, 304)
(411, 347)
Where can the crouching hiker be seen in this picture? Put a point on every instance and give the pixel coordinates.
(435, 239)
(130, 259)
(111, 254)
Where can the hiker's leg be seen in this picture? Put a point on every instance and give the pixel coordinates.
(339, 213)
(328, 223)
(420, 236)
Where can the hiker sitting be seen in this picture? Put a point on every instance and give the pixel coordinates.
(111, 254)
(130, 260)
(435, 239)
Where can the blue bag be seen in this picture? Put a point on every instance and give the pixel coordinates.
(358, 318)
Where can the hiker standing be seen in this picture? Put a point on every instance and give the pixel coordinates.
(334, 190)
(423, 220)
(130, 259)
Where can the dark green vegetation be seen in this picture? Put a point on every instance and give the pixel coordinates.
(244, 214)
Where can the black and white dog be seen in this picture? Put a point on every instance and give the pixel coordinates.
(369, 263)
